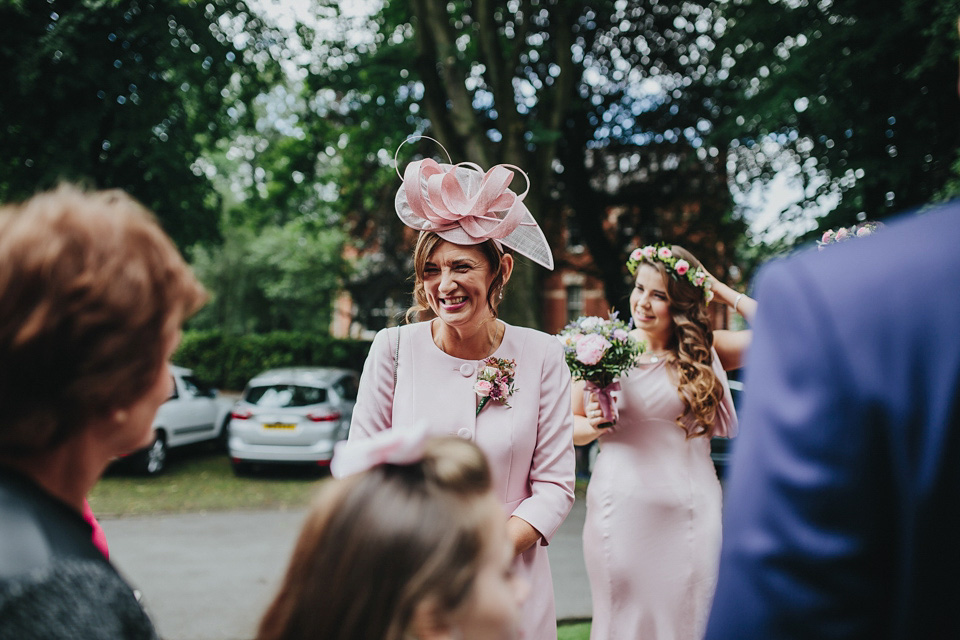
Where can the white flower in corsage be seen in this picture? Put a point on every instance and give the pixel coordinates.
(494, 381)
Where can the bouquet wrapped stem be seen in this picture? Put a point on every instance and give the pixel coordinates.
(608, 404)
(598, 351)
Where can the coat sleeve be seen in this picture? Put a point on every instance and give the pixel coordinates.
(374, 409)
(806, 509)
(553, 470)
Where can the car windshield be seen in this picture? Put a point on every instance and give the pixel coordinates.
(285, 395)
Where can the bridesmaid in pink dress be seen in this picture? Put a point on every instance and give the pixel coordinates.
(652, 534)
(428, 373)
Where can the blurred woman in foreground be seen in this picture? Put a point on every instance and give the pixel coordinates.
(92, 296)
(411, 544)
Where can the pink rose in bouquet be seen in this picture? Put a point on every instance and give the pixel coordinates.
(590, 348)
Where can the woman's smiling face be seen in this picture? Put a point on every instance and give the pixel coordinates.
(650, 304)
(456, 281)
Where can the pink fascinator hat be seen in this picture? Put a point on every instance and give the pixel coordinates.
(466, 205)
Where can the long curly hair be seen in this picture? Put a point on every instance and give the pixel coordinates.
(698, 386)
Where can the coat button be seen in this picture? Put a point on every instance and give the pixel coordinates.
(466, 369)
(465, 434)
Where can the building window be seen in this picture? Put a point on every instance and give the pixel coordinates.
(574, 302)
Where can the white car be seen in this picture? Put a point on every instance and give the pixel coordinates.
(292, 415)
(193, 413)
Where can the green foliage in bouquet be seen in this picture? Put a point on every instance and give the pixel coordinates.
(598, 350)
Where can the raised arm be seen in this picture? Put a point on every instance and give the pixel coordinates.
(732, 346)
(740, 302)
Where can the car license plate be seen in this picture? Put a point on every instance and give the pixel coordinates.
(279, 425)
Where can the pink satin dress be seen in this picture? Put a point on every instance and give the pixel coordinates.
(652, 534)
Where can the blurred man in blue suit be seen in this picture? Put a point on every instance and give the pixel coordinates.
(843, 504)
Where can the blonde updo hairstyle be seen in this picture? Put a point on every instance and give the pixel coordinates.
(427, 243)
(382, 546)
(698, 386)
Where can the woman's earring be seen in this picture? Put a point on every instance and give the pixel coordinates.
(500, 295)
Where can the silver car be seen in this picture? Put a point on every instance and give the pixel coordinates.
(292, 415)
(194, 412)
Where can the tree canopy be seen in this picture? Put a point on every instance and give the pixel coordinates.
(128, 95)
(859, 96)
(596, 100)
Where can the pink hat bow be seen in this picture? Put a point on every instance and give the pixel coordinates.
(465, 205)
(438, 197)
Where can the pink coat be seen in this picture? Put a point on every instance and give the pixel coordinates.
(529, 444)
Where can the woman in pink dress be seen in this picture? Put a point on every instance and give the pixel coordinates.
(652, 534)
(462, 371)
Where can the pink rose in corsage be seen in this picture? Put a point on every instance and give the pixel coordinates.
(494, 381)
(664, 253)
(681, 267)
(598, 351)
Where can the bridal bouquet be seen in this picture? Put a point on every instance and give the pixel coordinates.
(599, 351)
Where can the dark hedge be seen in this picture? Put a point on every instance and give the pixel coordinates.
(229, 361)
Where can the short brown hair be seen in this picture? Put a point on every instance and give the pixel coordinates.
(427, 241)
(380, 544)
(91, 292)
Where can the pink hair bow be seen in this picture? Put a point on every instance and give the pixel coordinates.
(392, 446)
(465, 205)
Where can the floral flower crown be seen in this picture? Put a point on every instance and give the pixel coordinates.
(661, 252)
(848, 233)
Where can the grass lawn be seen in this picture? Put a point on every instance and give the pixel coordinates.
(200, 479)
(575, 631)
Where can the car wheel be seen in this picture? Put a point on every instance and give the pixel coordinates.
(153, 459)
(223, 438)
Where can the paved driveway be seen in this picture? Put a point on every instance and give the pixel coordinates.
(210, 576)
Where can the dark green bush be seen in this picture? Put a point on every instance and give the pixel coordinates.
(229, 361)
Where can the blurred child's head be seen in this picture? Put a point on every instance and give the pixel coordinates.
(403, 550)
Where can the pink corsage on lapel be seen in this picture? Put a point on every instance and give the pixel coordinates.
(494, 381)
